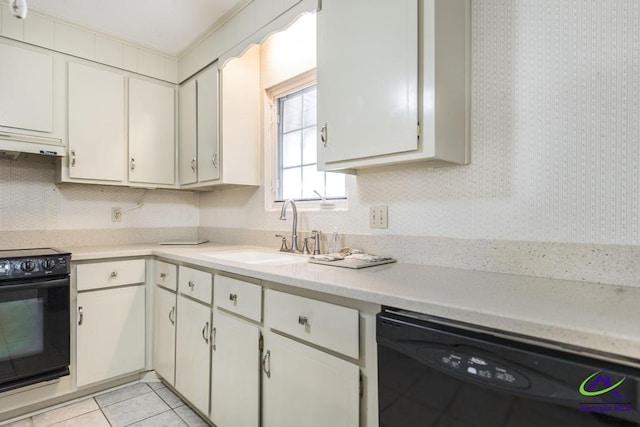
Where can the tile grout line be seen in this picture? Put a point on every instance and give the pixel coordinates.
(102, 412)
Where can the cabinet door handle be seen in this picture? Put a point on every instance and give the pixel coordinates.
(80, 316)
(303, 320)
(114, 274)
(266, 360)
(213, 339)
(172, 315)
(233, 297)
(163, 275)
(213, 160)
(191, 284)
(324, 137)
(132, 164)
(205, 333)
(193, 164)
(73, 158)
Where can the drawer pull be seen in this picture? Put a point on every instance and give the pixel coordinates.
(114, 274)
(172, 314)
(233, 297)
(205, 334)
(303, 320)
(213, 339)
(163, 275)
(192, 284)
(267, 360)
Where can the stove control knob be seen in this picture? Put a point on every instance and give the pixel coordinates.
(28, 266)
(48, 264)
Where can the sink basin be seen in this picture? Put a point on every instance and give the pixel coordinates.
(257, 257)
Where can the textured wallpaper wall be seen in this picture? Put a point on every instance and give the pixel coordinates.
(555, 148)
(30, 200)
(555, 138)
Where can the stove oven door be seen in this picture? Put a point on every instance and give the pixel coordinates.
(34, 331)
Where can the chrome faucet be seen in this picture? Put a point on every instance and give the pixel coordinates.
(283, 216)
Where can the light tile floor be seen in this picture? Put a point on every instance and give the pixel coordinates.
(139, 404)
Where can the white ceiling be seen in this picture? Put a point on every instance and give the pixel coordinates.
(169, 26)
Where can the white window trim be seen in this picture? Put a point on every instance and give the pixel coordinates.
(270, 139)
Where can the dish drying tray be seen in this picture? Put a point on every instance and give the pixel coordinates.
(352, 263)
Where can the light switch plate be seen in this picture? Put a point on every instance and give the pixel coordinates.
(378, 217)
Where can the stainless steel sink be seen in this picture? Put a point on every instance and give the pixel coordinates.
(257, 257)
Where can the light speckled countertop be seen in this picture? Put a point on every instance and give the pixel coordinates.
(601, 318)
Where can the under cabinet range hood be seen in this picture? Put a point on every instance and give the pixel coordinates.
(14, 145)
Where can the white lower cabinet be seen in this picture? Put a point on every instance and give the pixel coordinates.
(164, 338)
(193, 352)
(235, 376)
(251, 357)
(110, 333)
(306, 387)
(302, 385)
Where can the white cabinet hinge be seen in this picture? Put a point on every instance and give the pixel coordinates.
(419, 129)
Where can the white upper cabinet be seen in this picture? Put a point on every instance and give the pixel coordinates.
(198, 128)
(241, 125)
(367, 78)
(151, 132)
(208, 153)
(97, 138)
(231, 155)
(111, 129)
(386, 93)
(26, 89)
(187, 133)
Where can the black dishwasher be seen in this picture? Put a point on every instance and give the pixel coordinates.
(433, 372)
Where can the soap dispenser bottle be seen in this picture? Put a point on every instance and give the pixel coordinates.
(334, 243)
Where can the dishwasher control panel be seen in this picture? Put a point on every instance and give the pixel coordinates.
(473, 367)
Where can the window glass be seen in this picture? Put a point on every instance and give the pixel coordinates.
(298, 175)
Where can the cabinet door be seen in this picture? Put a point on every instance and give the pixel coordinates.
(193, 363)
(110, 334)
(26, 89)
(208, 153)
(240, 114)
(235, 378)
(164, 340)
(303, 386)
(367, 78)
(96, 124)
(151, 132)
(187, 135)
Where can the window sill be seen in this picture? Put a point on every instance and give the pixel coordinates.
(312, 206)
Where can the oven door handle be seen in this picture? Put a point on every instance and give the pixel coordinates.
(35, 285)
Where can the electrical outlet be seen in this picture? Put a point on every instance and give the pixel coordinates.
(378, 217)
(116, 214)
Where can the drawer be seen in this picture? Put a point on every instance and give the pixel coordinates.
(324, 324)
(195, 283)
(111, 273)
(236, 296)
(167, 275)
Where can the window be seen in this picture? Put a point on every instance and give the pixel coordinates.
(298, 176)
